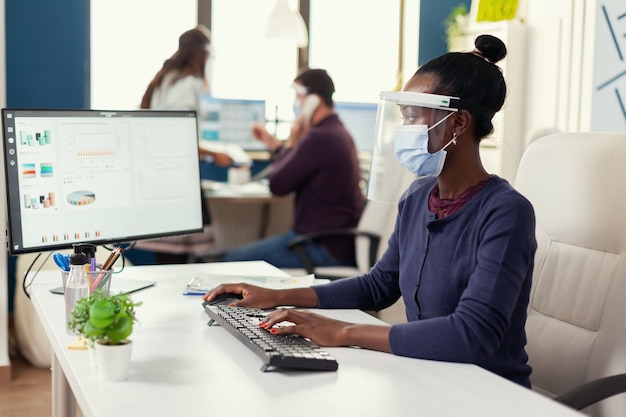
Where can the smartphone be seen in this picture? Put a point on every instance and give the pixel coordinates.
(309, 105)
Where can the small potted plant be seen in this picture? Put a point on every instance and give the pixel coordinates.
(106, 321)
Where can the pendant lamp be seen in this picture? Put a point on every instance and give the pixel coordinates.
(285, 23)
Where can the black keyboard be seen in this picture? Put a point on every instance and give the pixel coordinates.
(276, 351)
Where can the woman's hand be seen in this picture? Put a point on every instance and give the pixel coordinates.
(264, 298)
(325, 331)
(319, 329)
(253, 296)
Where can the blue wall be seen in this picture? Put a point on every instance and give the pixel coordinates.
(47, 53)
(432, 37)
(47, 61)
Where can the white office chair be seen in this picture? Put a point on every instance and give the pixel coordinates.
(576, 325)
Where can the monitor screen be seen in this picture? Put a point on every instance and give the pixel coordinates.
(360, 120)
(99, 176)
(230, 120)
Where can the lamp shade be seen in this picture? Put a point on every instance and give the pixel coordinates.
(285, 23)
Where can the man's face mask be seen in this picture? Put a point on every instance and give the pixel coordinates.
(307, 108)
(411, 149)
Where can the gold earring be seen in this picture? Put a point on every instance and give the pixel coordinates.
(454, 137)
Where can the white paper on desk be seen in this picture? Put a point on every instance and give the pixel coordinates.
(235, 151)
(201, 282)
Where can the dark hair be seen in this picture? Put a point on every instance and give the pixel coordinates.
(319, 82)
(474, 78)
(189, 59)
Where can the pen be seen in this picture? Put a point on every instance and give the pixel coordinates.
(115, 253)
(103, 281)
(87, 274)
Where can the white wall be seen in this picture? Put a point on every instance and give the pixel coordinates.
(567, 52)
(570, 54)
(608, 89)
(550, 80)
(129, 42)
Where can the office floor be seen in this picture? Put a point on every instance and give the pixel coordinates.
(28, 393)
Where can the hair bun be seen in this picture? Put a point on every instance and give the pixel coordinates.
(490, 47)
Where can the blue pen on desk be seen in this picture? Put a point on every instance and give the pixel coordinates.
(62, 261)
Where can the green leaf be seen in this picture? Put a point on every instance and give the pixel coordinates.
(120, 329)
(102, 309)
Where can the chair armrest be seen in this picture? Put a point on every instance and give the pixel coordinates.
(297, 244)
(593, 391)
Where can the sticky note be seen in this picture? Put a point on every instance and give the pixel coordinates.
(496, 10)
(78, 344)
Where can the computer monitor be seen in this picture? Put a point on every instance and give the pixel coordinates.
(230, 120)
(103, 177)
(360, 120)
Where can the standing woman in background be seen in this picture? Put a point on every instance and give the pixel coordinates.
(182, 79)
(178, 85)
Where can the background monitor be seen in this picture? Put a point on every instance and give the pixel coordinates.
(230, 120)
(99, 176)
(360, 120)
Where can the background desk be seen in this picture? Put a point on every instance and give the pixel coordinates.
(240, 214)
(244, 213)
(181, 367)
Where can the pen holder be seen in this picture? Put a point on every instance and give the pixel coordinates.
(102, 277)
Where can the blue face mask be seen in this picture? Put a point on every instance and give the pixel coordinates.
(297, 108)
(411, 148)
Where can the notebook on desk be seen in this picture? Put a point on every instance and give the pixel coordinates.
(201, 282)
(122, 285)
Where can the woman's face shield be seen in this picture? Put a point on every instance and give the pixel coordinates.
(397, 111)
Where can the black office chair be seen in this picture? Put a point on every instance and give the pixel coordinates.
(375, 226)
(299, 243)
(593, 392)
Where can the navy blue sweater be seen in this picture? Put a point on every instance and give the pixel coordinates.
(465, 280)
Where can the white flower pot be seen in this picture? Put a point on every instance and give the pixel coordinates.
(93, 355)
(114, 360)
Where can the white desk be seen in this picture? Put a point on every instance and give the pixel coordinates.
(244, 213)
(181, 367)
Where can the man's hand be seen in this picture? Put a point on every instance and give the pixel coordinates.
(261, 134)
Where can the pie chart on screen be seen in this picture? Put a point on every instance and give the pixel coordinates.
(81, 198)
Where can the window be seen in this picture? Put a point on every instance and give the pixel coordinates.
(246, 65)
(129, 42)
(357, 45)
(360, 54)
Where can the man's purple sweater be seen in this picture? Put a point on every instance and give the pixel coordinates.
(465, 280)
(323, 171)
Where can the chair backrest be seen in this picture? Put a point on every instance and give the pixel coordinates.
(376, 218)
(380, 218)
(576, 325)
